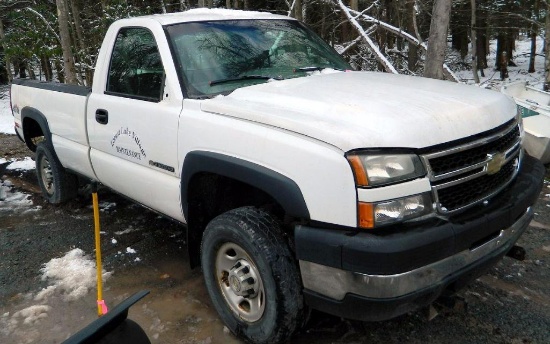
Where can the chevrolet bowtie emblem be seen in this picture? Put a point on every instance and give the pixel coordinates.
(496, 160)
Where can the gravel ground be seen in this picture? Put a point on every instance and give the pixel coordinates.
(510, 304)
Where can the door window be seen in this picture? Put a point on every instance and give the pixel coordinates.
(136, 68)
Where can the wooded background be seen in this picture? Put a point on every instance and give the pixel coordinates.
(47, 38)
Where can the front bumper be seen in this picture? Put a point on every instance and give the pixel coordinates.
(364, 276)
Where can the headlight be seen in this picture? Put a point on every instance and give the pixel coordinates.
(376, 170)
(388, 212)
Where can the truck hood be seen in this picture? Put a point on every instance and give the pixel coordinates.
(353, 110)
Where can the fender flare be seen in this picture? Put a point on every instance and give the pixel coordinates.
(32, 113)
(283, 189)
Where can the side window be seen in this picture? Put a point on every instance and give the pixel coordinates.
(136, 68)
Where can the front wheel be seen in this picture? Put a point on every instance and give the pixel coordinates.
(251, 276)
(56, 183)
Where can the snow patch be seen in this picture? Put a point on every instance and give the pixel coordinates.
(26, 164)
(73, 276)
(106, 206)
(6, 117)
(10, 199)
(130, 229)
(32, 314)
(130, 250)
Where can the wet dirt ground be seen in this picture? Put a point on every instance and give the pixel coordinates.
(510, 304)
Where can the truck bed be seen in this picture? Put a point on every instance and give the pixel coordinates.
(63, 107)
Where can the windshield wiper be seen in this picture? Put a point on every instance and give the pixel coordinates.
(244, 77)
(314, 68)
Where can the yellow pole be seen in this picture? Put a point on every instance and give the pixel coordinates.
(101, 307)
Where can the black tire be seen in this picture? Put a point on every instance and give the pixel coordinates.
(56, 183)
(272, 266)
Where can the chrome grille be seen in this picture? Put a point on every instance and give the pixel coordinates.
(470, 173)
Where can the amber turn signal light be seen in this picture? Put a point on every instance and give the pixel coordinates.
(358, 170)
(366, 215)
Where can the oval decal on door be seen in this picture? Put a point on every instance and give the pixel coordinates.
(136, 152)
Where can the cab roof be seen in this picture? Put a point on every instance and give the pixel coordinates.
(206, 14)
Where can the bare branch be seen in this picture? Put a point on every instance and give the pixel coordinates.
(351, 44)
(290, 7)
(411, 39)
(379, 56)
(45, 22)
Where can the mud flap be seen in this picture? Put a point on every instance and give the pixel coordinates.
(113, 327)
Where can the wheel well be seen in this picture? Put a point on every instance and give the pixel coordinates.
(31, 131)
(210, 195)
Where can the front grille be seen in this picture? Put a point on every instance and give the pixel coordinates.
(457, 196)
(460, 175)
(451, 162)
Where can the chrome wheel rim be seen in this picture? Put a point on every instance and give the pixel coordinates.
(240, 282)
(47, 175)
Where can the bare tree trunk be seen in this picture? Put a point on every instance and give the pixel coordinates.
(83, 52)
(20, 68)
(474, 42)
(533, 51)
(78, 24)
(297, 10)
(162, 6)
(412, 58)
(6, 58)
(533, 33)
(547, 49)
(30, 68)
(59, 71)
(437, 43)
(481, 40)
(65, 35)
(47, 66)
(183, 5)
(227, 3)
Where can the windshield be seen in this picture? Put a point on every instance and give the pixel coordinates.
(219, 56)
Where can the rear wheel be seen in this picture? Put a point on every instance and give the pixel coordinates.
(251, 276)
(56, 183)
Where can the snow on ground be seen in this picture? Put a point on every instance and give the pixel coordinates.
(520, 57)
(72, 276)
(26, 164)
(130, 229)
(6, 117)
(10, 199)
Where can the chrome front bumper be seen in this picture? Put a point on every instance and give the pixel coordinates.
(336, 283)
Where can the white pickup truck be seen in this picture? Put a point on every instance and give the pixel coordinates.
(302, 184)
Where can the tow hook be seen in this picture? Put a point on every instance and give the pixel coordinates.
(517, 252)
(445, 304)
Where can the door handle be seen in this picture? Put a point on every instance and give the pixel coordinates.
(102, 116)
